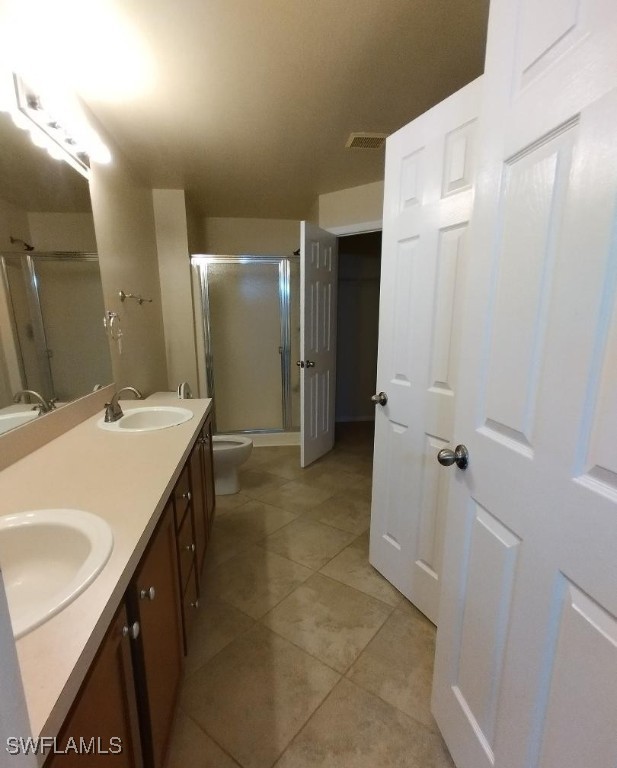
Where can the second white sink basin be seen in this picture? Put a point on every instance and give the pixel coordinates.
(48, 557)
(148, 418)
(16, 419)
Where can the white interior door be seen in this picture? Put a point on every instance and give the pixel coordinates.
(526, 665)
(318, 271)
(427, 205)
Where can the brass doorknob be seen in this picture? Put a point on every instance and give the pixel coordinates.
(459, 456)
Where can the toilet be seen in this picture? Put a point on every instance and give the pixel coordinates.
(229, 452)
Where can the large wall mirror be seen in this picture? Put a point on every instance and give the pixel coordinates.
(52, 339)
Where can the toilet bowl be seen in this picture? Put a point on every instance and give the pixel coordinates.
(229, 452)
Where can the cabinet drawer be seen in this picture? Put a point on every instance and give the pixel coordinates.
(186, 549)
(182, 497)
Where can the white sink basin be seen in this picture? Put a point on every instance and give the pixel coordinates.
(148, 418)
(48, 557)
(16, 419)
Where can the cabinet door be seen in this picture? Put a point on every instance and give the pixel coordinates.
(159, 649)
(198, 500)
(104, 718)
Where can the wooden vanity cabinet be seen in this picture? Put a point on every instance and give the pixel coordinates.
(158, 651)
(202, 490)
(132, 687)
(105, 708)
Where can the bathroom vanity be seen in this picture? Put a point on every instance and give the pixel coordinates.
(110, 664)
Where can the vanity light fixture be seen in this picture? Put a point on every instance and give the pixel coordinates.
(49, 132)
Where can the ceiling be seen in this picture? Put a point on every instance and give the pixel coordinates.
(251, 101)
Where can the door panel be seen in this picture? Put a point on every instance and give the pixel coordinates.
(318, 275)
(524, 672)
(428, 199)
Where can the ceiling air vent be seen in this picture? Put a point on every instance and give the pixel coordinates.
(366, 140)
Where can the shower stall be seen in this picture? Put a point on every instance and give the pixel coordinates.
(53, 340)
(248, 323)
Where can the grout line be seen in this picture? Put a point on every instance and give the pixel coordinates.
(245, 631)
(315, 711)
(210, 736)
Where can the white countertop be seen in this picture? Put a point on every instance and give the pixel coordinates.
(124, 478)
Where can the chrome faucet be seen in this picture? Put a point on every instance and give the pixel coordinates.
(184, 391)
(43, 406)
(113, 412)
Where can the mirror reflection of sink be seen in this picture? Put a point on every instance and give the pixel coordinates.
(16, 419)
(147, 419)
(48, 557)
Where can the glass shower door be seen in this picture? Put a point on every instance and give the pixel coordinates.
(244, 317)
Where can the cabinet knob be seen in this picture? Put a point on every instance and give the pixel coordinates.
(131, 631)
(187, 496)
(195, 604)
(147, 594)
(190, 547)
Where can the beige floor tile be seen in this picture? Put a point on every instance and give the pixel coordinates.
(253, 521)
(346, 511)
(329, 620)
(256, 482)
(217, 624)
(364, 488)
(255, 581)
(346, 461)
(397, 664)
(297, 497)
(223, 546)
(331, 478)
(351, 566)
(229, 501)
(284, 462)
(256, 695)
(192, 748)
(354, 729)
(308, 543)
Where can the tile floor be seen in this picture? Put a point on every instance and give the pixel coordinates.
(303, 655)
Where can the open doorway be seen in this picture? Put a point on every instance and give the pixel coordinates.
(359, 268)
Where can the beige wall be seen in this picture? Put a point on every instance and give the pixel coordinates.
(194, 228)
(272, 237)
(125, 232)
(176, 296)
(13, 222)
(356, 209)
(62, 232)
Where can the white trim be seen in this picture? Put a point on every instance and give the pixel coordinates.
(356, 229)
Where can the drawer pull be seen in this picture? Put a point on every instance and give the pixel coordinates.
(189, 547)
(187, 496)
(195, 604)
(147, 594)
(131, 631)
